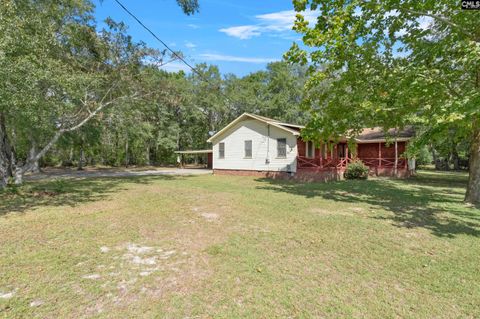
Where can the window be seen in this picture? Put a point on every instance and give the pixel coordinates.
(221, 150)
(310, 149)
(248, 149)
(281, 147)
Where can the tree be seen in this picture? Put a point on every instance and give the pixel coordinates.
(275, 92)
(392, 63)
(58, 72)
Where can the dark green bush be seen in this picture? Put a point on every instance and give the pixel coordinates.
(356, 170)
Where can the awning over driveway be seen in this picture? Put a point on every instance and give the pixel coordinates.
(194, 152)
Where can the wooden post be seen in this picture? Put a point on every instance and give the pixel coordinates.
(335, 154)
(322, 148)
(395, 166)
(379, 154)
(406, 159)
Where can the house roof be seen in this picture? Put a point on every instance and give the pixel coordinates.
(377, 134)
(291, 128)
(368, 135)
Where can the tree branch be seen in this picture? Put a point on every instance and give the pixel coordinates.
(441, 19)
(61, 131)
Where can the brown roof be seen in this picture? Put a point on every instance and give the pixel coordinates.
(378, 134)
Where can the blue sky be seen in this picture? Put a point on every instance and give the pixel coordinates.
(238, 36)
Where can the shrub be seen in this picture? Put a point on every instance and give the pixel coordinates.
(424, 157)
(356, 170)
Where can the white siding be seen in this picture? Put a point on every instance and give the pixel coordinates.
(263, 148)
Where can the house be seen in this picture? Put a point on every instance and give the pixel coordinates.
(257, 145)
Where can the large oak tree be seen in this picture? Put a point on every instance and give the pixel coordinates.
(58, 72)
(393, 63)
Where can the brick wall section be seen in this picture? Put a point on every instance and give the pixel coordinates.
(325, 175)
(239, 172)
(304, 175)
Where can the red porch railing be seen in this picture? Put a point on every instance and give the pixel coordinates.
(305, 162)
(384, 162)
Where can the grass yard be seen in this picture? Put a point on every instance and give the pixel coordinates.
(239, 247)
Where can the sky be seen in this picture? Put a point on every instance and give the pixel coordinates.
(239, 36)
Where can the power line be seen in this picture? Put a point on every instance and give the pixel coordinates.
(165, 45)
(194, 70)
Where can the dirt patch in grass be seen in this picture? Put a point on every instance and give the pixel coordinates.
(178, 266)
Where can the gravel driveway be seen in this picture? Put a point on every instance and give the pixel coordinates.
(66, 173)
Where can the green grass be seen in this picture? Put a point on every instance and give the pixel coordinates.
(231, 247)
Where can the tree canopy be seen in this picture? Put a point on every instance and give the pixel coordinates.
(74, 94)
(391, 63)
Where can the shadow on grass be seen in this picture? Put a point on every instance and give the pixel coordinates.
(67, 191)
(420, 201)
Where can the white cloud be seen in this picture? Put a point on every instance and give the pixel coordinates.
(175, 67)
(242, 32)
(230, 58)
(283, 20)
(275, 22)
(193, 26)
(190, 45)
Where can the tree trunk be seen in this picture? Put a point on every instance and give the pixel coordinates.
(436, 161)
(81, 159)
(147, 153)
(18, 177)
(35, 167)
(446, 163)
(126, 152)
(5, 156)
(455, 158)
(395, 164)
(473, 187)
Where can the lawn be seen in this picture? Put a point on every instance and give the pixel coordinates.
(230, 247)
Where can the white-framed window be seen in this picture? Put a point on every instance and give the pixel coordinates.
(281, 147)
(248, 149)
(221, 150)
(309, 149)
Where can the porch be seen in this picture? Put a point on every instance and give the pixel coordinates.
(304, 162)
(377, 156)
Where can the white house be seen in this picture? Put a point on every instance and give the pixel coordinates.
(256, 143)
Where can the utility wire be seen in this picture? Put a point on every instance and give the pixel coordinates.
(175, 54)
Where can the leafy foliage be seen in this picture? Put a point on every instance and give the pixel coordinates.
(356, 170)
(75, 94)
(389, 64)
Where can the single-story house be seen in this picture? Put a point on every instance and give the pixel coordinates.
(257, 145)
